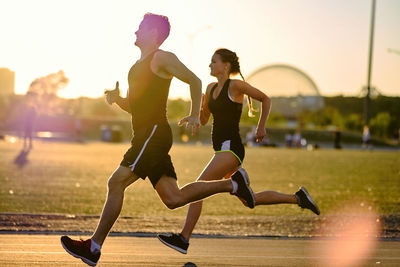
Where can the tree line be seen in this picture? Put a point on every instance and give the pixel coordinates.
(345, 113)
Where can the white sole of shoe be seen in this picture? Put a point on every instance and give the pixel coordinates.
(245, 175)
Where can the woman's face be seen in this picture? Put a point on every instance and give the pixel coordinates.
(217, 66)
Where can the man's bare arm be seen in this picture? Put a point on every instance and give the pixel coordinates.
(170, 65)
(123, 103)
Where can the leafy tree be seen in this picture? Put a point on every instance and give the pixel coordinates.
(380, 124)
(353, 122)
(177, 108)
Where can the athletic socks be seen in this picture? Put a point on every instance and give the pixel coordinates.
(94, 246)
(235, 186)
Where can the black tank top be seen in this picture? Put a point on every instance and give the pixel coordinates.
(226, 114)
(148, 94)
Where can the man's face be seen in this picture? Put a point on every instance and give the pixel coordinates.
(144, 35)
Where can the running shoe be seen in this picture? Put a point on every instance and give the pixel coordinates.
(80, 249)
(305, 201)
(244, 190)
(174, 241)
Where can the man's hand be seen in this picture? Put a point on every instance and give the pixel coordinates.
(112, 95)
(203, 101)
(191, 121)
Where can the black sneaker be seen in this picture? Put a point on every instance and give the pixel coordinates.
(244, 191)
(174, 241)
(80, 249)
(305, 201)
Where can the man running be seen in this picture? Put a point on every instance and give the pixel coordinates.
(149, 80)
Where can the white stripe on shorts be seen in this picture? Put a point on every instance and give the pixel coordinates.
(226, 145)
(144, 146)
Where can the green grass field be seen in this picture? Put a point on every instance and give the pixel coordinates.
(71, 178)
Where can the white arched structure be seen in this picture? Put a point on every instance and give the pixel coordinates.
(291, 89)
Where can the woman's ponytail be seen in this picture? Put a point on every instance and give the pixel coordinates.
(249, 102)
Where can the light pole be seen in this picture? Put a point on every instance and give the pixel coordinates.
(394, 51)
(192, 36)
(371, 45)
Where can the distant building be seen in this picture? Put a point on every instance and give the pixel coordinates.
(7, 81)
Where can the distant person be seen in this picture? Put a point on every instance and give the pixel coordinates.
(224, 100)
(366, 137)
(336, 139)
(289, 139)
(149, 81)
(78, 129)
(29, 122)
(396, 137)
(297, 139)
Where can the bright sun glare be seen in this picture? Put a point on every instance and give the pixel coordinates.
(93, 41)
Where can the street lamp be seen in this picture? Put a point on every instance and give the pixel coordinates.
(192, 36)
(394, 51)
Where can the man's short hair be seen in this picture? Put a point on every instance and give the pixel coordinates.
(160, 23)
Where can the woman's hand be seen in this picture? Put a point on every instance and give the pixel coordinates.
(260, 134)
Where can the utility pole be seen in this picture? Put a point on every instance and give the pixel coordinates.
(371, 48)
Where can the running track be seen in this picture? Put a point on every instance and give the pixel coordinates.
(46, 250)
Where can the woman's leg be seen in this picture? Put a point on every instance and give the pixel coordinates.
(221, 165)
(301, 198)
(273, 197)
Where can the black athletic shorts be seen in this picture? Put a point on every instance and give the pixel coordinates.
(234, 146)
(148, 155)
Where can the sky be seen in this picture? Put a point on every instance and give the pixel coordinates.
(93, 41)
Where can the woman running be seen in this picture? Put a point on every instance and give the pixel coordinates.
(223, 99)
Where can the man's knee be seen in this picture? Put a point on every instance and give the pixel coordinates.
(169, 193)
(172, 202)
(115, 183)
(119, 180)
